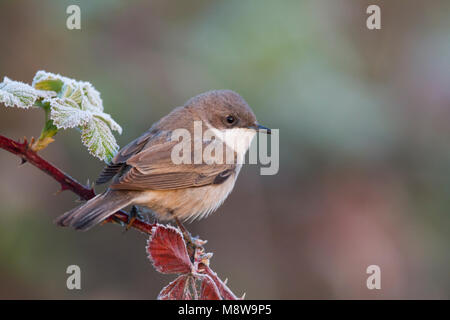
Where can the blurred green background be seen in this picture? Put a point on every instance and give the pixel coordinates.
(364, 119)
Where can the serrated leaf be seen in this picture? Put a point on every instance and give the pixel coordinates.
(109, 120)
(42, 76)
(19, 94)
(91, 97)
(176, 290)
(209, 290)
(167, 250)
(72, 91)
(66, 113)
(68, 103)
(98, 138)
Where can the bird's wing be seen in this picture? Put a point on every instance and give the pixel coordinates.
(119, 161)
(152, 168)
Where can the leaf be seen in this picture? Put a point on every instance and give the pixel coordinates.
(109, 120)
(19, 94)
(79, 105)
(66, 113)
(72, 91)
(91, 97)
(68, 104)
(43, 80)
(209, 290)
(99, 140)
(50, 85)
(224, 291)
(167, 250)
(177, 289)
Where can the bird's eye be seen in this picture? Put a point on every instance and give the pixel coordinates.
(231, 119)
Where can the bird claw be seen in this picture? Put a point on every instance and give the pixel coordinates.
(135, 214)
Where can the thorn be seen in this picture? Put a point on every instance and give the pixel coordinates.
(243, 296)
(29, 145)
(63, 188)
(22, 161)
(225, 281)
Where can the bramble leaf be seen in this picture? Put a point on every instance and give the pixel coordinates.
(43, 80)
(98, 138)
(19, 94)
(178, 289)
(209, 290)
(68, 104)
(50, 85)
(167, 250)
(66, 113)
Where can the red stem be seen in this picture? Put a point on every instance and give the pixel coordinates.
(67, 182)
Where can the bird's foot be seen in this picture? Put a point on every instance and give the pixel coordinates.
(135, 213)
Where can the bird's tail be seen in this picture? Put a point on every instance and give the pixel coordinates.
(96, 210)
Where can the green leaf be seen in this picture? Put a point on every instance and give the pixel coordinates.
(67, 104)
(99, 140)
(49, 85)
(19, 94)
(91, 98)
(47, 79)
(109, 120)
(66, 113)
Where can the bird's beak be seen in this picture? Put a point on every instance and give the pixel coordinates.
(260, 128)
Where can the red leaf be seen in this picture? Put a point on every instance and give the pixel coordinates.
(209, 289)
(224, 291)
(167, 250)
(176, 290)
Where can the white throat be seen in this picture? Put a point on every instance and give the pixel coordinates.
(237, 139)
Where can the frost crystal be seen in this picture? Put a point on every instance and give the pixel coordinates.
(19, 94)
(72, 104)
(99, 140)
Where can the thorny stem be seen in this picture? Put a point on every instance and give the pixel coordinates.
(24, 151)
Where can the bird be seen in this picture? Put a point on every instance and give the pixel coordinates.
(143, 173)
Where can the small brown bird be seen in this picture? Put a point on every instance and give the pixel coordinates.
(143, 173)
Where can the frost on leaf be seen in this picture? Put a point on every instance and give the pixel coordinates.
(209, 290)
(66, 113)
(49, 81)
(78, 104)
(177, 289)
(167, 250)
(187, 287)
(98, 138)
(19, 94)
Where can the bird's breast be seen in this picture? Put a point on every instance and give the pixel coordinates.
(189, 203)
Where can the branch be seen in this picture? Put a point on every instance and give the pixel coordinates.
(24, 151)
(67, 182)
